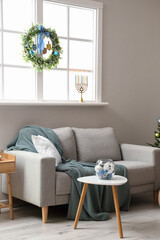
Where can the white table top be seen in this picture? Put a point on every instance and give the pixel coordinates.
(115, 181)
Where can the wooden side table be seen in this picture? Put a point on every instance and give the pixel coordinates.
(114, 182)
(8, 165)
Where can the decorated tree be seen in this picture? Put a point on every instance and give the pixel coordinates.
(156, 135)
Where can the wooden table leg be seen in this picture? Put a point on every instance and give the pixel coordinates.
(10, 196)
(80, 204)
(155, 196)
(116, 204)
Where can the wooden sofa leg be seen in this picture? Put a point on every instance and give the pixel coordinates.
(44, 214)
(155, 196)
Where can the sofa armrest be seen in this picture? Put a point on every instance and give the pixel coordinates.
(145, 154)
(34, 179)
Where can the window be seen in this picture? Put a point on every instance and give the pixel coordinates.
(17, 81)
(79, 27)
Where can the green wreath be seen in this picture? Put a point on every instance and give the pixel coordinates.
(31, 51)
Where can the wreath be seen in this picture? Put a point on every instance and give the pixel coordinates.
(33, 52)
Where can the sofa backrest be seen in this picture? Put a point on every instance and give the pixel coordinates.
(96, 143)
(67, 141)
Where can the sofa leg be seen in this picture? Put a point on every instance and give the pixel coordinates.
(155, 196)
(44, 214)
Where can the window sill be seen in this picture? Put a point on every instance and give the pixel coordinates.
(56, 104)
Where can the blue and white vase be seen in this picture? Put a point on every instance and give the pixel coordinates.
(104, 168)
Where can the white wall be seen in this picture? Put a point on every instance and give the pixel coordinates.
(131, 80)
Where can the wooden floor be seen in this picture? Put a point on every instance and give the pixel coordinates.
(142, 221)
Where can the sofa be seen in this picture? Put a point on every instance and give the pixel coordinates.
(37, 182)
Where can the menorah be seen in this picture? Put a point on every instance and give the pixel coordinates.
(81, 84)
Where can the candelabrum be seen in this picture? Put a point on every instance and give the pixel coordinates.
(81, 84)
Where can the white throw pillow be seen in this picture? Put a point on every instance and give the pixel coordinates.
(43, 145)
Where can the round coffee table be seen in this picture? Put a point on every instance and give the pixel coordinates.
(114, 182)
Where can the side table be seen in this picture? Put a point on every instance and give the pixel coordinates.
(8, 165)
(114, 182)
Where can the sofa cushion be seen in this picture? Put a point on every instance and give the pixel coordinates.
(96, 143)
(44, 146)
(67, 141)
(139, 173)
(63, 183)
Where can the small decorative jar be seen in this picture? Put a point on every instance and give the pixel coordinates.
(104, 169)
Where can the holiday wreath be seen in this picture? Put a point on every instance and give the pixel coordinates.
(34, 53)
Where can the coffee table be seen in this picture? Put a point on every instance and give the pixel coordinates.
(114, 182)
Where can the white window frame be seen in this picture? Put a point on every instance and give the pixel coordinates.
(98, 54)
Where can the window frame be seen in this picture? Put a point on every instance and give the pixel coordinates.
(98, 6)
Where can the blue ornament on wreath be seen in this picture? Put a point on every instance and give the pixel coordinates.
(56, 53)
(31, 52)
(34, 47)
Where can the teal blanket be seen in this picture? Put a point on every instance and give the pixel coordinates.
(99, 200)
(23, 140)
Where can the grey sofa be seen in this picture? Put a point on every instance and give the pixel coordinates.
(36, 180)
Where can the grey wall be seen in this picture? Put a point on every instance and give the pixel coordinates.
(131, 80)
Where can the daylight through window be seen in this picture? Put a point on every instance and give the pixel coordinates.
(78, 28)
